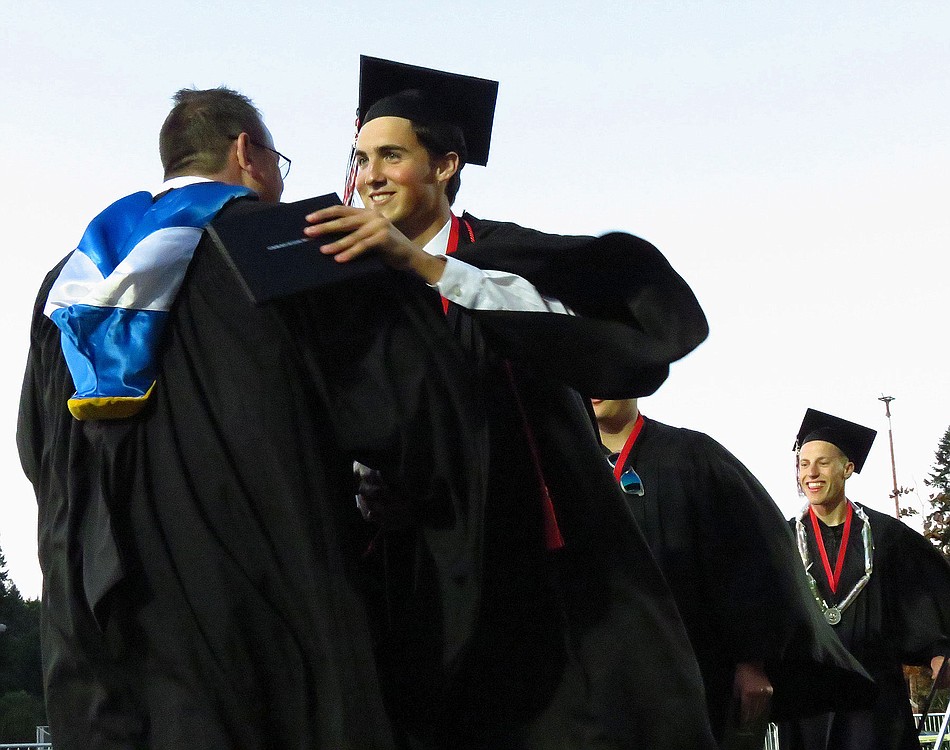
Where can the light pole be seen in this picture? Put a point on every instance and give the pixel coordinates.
(896, 494)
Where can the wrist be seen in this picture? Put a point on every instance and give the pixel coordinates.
(429, 267)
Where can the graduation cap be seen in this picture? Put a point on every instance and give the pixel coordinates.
(430, 97)
(851, 439)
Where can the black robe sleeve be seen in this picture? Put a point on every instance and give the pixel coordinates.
(634, 314)
(917, 578)
(79, 550)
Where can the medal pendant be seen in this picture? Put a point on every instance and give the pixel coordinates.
(833, 615)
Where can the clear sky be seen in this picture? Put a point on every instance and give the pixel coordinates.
(791, 159)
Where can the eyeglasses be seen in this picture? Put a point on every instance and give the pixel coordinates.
(283, 163)
(630, 481)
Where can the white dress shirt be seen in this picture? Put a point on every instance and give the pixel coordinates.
(477, 289)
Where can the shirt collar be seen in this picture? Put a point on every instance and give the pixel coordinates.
(440, 243)
(180, 182)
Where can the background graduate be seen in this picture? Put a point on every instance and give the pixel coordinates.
(883, 588)
(731, 563)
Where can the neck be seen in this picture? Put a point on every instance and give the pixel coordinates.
(832, 515)
(420, 236)
(614, 432)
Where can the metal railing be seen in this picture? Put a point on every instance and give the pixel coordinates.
(931, 730)
(43, 742)
(927, 736)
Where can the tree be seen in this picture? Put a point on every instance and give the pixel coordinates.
(937, 522)
(20, 715)
(21, 682)
(9, 594)
(940, 476)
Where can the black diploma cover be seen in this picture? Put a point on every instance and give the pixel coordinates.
(266, 246)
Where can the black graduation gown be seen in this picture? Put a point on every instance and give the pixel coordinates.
(204, 581)
(902, 616)
(201, 559)
(581, 646)
(733, 567)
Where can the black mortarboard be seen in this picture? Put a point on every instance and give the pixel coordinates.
(851, 439)
(428, 97)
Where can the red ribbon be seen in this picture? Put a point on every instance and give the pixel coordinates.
(628, 446)
(552, 532)
(453, 246)
(833, 578)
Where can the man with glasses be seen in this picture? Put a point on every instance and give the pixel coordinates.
(191, 453)
(726, 553)
(99, 413)
(283, 163)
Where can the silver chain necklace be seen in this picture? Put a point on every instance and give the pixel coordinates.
(833, 614)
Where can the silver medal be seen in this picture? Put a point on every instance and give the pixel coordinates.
(833, 615)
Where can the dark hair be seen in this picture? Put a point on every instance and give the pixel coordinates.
(197, 134)
(439, 139)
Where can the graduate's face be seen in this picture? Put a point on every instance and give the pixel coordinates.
(614, 410)
(822, 471)
(398, 178)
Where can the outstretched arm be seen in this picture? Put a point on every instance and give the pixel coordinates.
(366, 231)
(459, 282)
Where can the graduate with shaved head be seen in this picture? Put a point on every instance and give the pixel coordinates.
(882, 587)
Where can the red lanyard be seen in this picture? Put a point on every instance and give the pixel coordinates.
(833, 578)
(453, 245)
(627, 446)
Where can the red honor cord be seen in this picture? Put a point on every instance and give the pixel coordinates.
(833, 578)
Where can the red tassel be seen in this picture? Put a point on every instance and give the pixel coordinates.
(349, 184)
(552, 532)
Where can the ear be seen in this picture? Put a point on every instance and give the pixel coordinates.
(242, 146)
(848, 469)
(446, 166)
